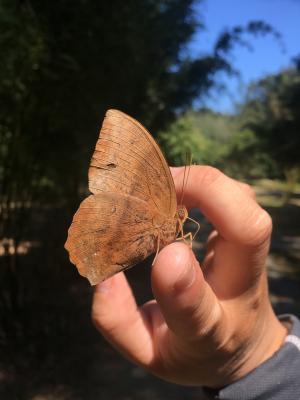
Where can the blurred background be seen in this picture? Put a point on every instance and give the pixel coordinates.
(218, 78)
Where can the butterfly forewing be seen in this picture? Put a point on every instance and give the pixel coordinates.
(127, 160)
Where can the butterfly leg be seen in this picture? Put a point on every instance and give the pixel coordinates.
(184, 236)
(198, 227)
(188, 236)
(157, 250)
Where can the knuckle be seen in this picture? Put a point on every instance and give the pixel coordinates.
(211, 325)
(266, 224)
(100, 319)
(202, 324)
(209, 175)
(249, 190)
(261, 227)
(255, 302)
(102, 324)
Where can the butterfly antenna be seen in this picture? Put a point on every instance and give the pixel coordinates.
(183, 185)
(187, 168)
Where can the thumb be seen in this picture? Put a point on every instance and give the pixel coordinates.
(189, 305)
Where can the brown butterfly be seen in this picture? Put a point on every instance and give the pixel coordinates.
(133, 211)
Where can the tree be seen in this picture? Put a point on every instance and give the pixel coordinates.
(272, 112)
(67, 62)
(203, 134)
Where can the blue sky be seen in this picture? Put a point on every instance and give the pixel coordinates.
(268, 56)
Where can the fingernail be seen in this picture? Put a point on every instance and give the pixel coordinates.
(187, 277)
(104, 286)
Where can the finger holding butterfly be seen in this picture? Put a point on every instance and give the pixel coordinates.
(225, 310)
(243, 227)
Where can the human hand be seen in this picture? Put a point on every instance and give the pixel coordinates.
(208, 326)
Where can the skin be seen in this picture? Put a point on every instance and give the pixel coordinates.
(208, 325)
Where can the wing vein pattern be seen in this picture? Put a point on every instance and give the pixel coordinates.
(125, 145)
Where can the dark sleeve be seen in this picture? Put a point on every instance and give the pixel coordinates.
(278, 378)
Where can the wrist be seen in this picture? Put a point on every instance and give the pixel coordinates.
(276, 378)
(268, 337)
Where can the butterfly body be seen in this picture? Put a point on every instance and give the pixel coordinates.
(133, 211)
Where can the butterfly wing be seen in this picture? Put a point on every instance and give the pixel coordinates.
(111, 232)
(127, 160)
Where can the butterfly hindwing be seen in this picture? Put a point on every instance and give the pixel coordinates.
(110, 233)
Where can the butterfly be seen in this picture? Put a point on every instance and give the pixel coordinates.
(132, 211)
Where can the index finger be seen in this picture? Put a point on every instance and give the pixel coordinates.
(233, 212)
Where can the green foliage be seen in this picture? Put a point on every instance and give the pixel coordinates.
(219, 140)
(216, 126)
(261, 140)
(272, 112)
(244, 159)
(203, 134)
(67, 62)
(265, 139)
(64, 64)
